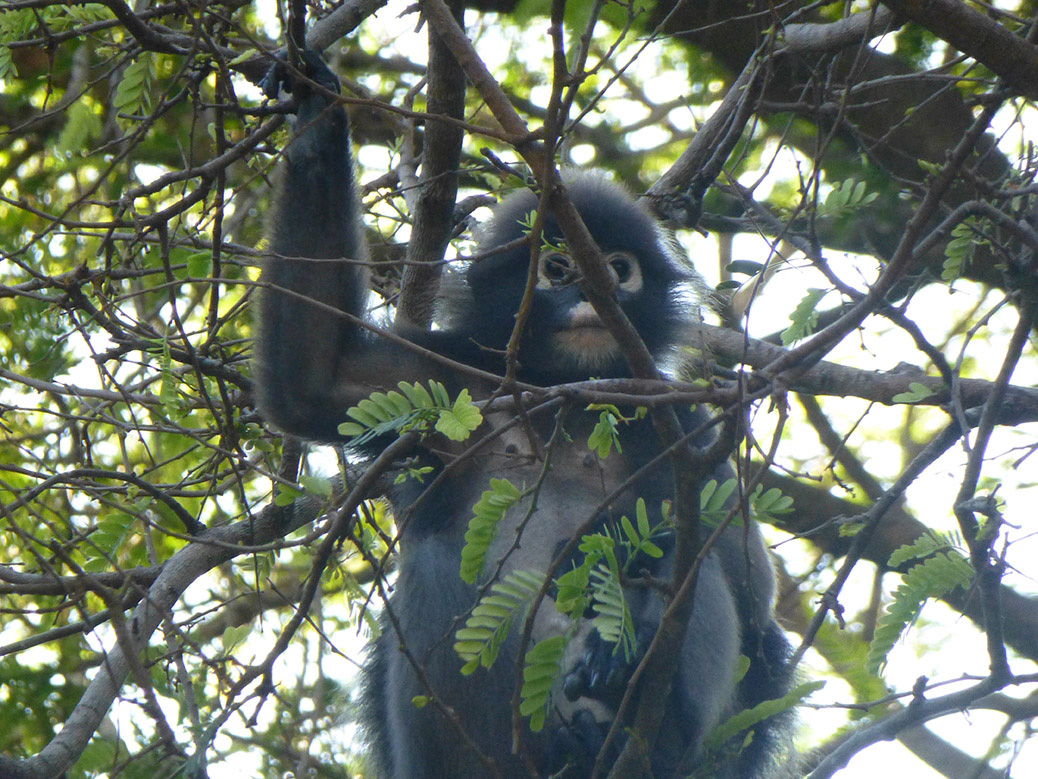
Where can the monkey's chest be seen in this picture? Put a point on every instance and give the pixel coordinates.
(565, 489)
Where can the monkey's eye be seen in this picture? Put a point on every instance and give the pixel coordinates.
(555, 269)
(628, 272)
(621, 267)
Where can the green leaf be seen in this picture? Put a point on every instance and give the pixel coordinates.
(7, 68)
(413, 408)
(439, 393)
(642, 515)
(747, 267)
(286, 495)
(351, 429)
(317, 485)
(958, 252)
(934, 577)
(851, 529)
(804, 317)
(417, 394)
(234, 635)
(628, 528)
(479, 641)
(767, 506)
(925, 545)
(81, 126)
(604, 436)
(401, 405)
(414, 473)
(245, 56)
(742, 667)
(131, 96)
(572, 596)
(489, 510)
(461, 419)
(106, 541)
(846, 197)
(363, 416)
(612, 618)
(638, 540)
(374, 410)
(255, 567)
(932, 168)
(542, 669)
(916, 392)
(746, 719)
(200, 265)
(713, 501)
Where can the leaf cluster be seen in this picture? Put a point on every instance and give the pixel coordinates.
(412, 409)
(944, 569)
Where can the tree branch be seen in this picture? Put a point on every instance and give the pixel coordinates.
(1014, 59)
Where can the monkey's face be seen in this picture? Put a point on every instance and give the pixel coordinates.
(563, 339)
(581, 338)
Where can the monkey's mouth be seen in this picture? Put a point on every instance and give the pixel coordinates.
(587, 344)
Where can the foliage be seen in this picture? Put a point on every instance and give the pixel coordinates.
(413, 408)
(487, 514)
(132, 95)
(135, 163)
(605, 436)
(485, 630)
(959, 250)
(847, 196)
(594, 583)
(916, 393)
(804, 317)
(541, 672)
(612, 619)
(764, 505)
(747, 719)
(937, 575)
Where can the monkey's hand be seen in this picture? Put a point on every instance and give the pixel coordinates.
(574, 745)
(603, 671)
(321, 143)
(602, 674)
(314, 70)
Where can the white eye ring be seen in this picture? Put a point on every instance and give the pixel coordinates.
(555, 269)
(626, 269)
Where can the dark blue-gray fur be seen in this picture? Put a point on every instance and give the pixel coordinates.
(311, 365)
(618, 223)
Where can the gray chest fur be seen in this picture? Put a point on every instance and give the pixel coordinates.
(566, 485)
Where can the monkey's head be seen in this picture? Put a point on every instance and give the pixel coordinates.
(564, 339)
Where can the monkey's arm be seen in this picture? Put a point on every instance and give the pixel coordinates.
(316, 268)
